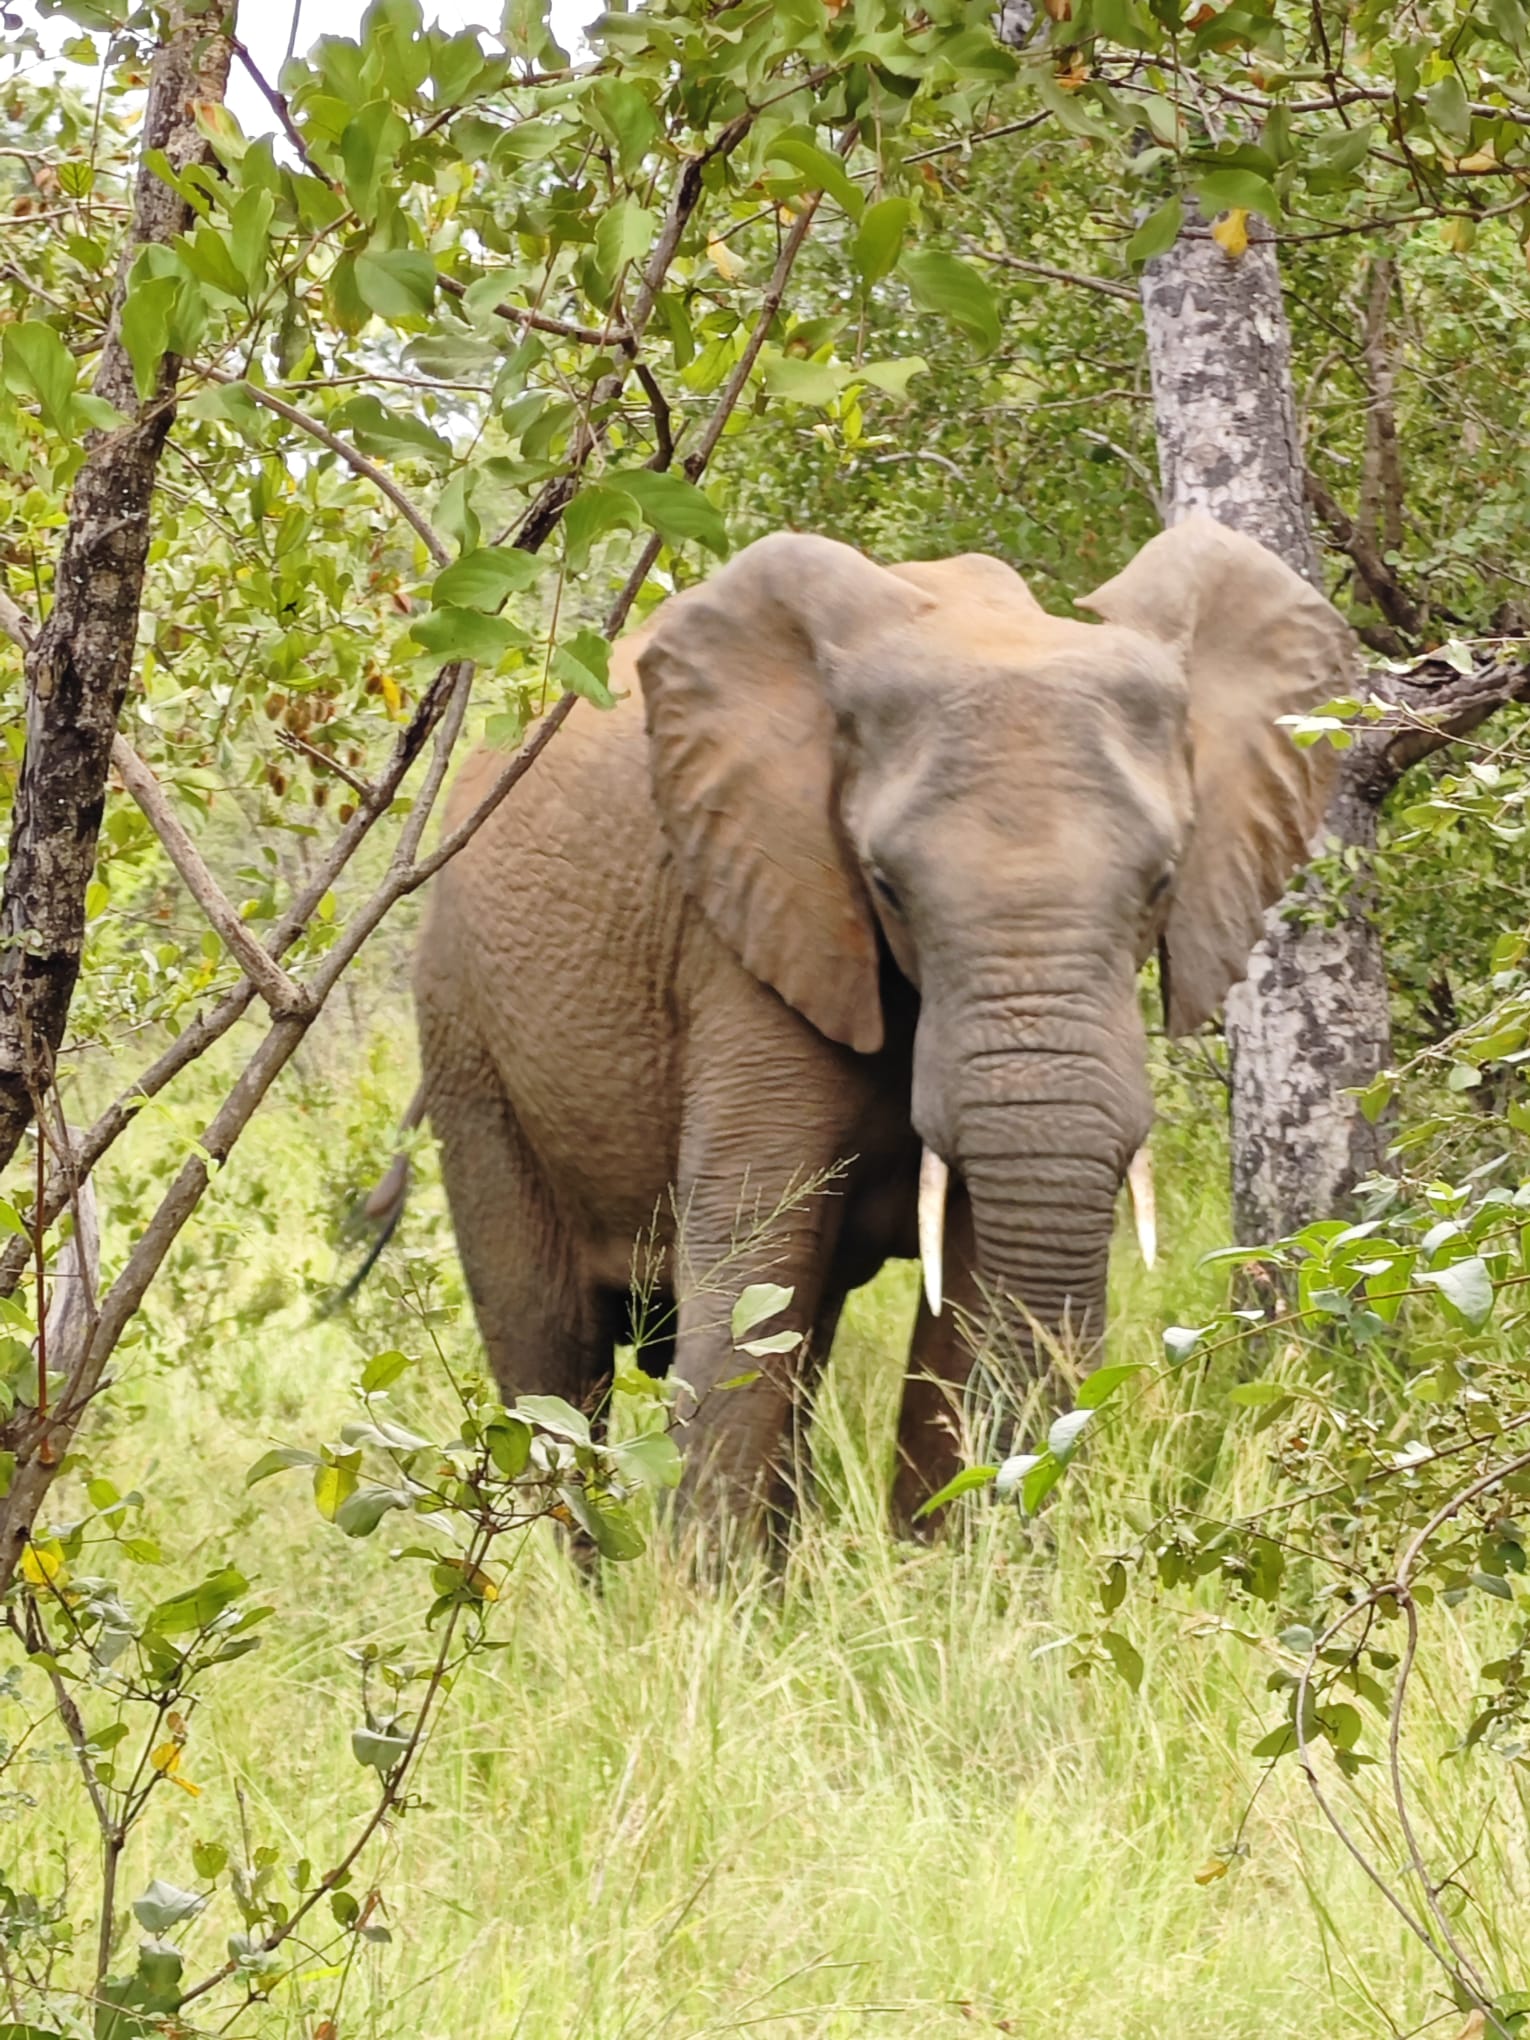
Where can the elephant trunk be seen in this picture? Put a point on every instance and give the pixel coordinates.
(1040, 1119)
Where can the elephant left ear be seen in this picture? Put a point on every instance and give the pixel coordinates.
(1256, 642)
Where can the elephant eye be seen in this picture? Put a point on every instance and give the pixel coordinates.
(886, 891)
(1160, 885)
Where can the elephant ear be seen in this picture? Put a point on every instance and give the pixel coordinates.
(1256, 642)
(738, 680)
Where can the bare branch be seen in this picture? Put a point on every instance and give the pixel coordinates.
(280, 992)
(1002, 259)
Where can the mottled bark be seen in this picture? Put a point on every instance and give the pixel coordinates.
(78, 668)
(1311, 1020)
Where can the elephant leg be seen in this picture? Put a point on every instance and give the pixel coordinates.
(542, 1321)
(743, 1412)
(932, 1427)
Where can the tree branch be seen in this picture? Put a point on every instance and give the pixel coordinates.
(79, 665)
(1004, 260)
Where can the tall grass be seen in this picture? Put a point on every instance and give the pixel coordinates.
(863, 1791)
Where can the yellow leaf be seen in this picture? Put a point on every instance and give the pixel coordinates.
(192, 1791)
(1210, 1872)
(1474, 2028)
(722, 259)
(1478, 162)
(390, 693)
(1231, 232)
(42, 1565)
(166, 1759)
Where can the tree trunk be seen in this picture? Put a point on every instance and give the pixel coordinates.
(1311, 1019)
(79, 666)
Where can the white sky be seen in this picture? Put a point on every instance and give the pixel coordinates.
(265, 25)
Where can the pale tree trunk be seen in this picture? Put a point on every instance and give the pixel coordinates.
(80, 663)
(1311, 1018)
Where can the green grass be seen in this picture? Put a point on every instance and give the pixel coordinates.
(860, 1793)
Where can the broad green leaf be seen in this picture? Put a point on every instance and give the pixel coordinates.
(1099, 1387)
(146, 325)
(1449, 108)
(359, 1514)
(397, 283)
(380, 1750)
(675, 508)
(892, 376)
(623, 234)
(1013, 1472)
(1157, 233)
(821, 171)
(878, 240)
(198, 1606)
(552, 1414)
(969, 1478)
(38, 364)
(1234, 189)
(367, 149)
(164, 1906)
(483, 579)
(334, 1482)
(1125, 1656)
(1066, 1432)
(382, 1370)
(391, 434)
(761, 1300)
(650, 1460)
(608, 1524)
(595, 511)
(249, 235)
(1180, 1341)
(278, 1460)
(945, 284)
(467, 634)
(800, 381)
(509, 1443)
(1466, 1286)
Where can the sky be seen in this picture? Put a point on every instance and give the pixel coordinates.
(265, 25)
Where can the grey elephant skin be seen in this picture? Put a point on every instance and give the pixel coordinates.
(866, 863)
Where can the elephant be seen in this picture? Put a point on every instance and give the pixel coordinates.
(852, 889)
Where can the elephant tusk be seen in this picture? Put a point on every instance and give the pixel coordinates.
(934, 1177)
(1139, 1181)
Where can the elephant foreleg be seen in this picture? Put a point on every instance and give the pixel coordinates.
(932, 1427)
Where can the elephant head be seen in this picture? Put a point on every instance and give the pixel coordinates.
(1020, 806)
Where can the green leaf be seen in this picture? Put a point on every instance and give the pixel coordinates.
(278, 1460)
(652, 1459)
(368, 147)
(1222, 190)
(1125, 1656)
(1449, 108)
(1256, 1395)
(399, 283)
(392, 434)
(209, 1859)
(198, 1606)
(1180, 1341)
(1099, 1387)
(249, 235)
(552, 1414)
(509, 1443)
(38, 364)
(773, 1342)
(467, 634)
(675, 508)
(1066, 1432)
(1014, 1471)
(761, 1300)
(483, 579)
(1158, 232)
(359, 1514)
(1490, 1583)
(820, 170)
(892, 376)
(593, 512)
(623, 235)
(800, 381)
(146, 325)
(609, 1524)
(1466, 1286)
(1113, 1587)
(969, 1478)
(334, 1482)
(164, 1906)
(945, 284)
(382, 1370)
(878, 240)
(380, 1750)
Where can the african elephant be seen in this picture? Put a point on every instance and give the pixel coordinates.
(865, 864)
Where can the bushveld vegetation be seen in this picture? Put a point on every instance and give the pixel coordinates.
(1213, 1720)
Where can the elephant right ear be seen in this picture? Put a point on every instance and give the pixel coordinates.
(738, 681)
(1256, 643)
